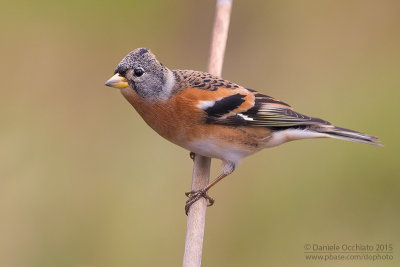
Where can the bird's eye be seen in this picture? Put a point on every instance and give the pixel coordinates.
(138, 72)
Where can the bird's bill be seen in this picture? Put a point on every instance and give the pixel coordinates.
(117, 81)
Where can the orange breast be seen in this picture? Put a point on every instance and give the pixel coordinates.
(180, 121)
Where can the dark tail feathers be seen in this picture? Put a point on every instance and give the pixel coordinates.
(346, 134)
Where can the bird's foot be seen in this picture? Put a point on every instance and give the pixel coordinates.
(192, 155)
(195, 195)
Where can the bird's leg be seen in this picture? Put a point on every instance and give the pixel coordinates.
(192, 155)
(194, 195)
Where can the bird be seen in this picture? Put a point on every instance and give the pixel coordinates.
(213, 117)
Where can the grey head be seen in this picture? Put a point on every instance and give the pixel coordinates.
(146, 75)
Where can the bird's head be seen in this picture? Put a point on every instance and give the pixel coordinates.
(142, 72)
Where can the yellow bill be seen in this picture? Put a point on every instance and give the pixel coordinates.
(117, 81)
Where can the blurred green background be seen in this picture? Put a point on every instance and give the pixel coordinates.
(84, 182)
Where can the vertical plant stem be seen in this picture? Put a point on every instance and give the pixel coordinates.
(219, 36)
(201, 169)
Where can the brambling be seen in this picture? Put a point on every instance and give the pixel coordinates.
(214, 117)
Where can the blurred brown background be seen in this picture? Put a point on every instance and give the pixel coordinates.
(84, 182)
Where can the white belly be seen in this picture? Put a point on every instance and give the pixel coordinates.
(214, 149)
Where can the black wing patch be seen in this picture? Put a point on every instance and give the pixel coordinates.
(224, 106)
(266, 112)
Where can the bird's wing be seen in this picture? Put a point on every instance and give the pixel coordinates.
(227, 103)
(246, 107)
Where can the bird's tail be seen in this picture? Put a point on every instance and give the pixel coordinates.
(345, 134)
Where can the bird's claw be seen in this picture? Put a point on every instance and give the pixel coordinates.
(195, 195)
